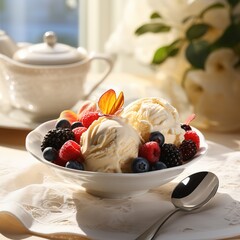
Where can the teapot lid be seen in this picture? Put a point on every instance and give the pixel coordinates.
(49, 52)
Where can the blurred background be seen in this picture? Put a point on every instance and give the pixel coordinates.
(188, 49)
(86, 23)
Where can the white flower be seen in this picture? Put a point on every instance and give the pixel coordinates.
(215, 91)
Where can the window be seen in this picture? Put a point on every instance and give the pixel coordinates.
(28, 20)
(86, 23)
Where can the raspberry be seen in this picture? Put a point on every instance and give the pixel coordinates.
(192, 135)
(60, 162)
(89, 117)
(188, 149)
(70, 150)
(150, 151)
(171, 155)
(78, 131)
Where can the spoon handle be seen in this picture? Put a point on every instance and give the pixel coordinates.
(151, 232)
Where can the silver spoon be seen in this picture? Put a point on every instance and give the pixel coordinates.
(191, 193)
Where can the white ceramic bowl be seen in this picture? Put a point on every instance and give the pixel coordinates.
(109, 185)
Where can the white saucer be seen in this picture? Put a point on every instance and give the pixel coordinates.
(11, 118)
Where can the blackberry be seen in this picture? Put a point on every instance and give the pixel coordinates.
(171, 155)
(188, 148)
(186, 127)
(56, 138)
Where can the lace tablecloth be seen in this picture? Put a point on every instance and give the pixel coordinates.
(34, 202)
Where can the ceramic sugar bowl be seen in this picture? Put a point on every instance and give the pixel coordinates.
(46, 78)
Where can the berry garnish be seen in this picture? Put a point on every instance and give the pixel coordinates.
(89, 117)
(157, 137)
(140, 165)
(186, 127)
(63, 123)
(78, 131)
(50, 154)
(70, 150)
(158, 166)
(190, 119)
(59, 162)
(150, 151)
(171, 155)
(188, 149)
(75, 165)
(56, 138)
(192, 135)
(76, 124)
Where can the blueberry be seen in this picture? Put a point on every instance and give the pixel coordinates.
(140, 165)
(74, 165)
(76, 124)
(63, 123)
(50, 154)
(157, 137)
(158, 166)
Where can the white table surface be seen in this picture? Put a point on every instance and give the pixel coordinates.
(13, 136)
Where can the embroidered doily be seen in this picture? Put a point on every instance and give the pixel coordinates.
(44, 205)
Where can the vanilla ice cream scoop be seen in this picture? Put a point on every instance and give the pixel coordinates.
(154, 114)
(109, 145)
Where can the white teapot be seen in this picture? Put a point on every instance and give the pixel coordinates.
(46, 78)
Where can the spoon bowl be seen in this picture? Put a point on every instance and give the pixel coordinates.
(190, 194)
(186, 194)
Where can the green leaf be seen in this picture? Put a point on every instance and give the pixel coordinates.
(236, 49)
(186, 19)
(173, 52)
(160, 55)
(152, 27)
(155, 15)
(197, 31)
(213, 6)
(235, 18)
(163, 53)
(197, 53)
(233, 3)
(229, 38)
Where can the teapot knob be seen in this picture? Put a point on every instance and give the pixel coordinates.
(50, 38)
